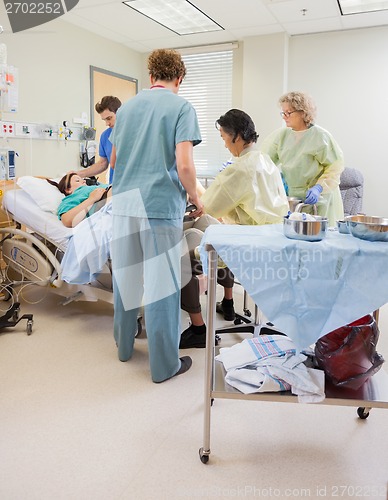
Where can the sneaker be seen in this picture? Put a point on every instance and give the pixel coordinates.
(227, 310)
(189, 339)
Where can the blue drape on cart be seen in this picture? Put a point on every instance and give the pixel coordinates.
(306, 289)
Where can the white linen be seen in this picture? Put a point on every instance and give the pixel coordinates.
(249, 351)
(45, 195)
(268, 363)
(89, 248)
(24, 210)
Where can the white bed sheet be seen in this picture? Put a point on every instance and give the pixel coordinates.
(23, 209)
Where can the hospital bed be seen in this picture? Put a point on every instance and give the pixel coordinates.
(32, 250)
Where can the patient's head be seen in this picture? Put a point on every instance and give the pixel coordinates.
(237, 123)
(69, 183)
(237, 130)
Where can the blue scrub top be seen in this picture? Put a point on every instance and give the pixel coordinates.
(105, 149)
(148, 127)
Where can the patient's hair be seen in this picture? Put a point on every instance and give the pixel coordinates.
(108, 102)
(237, 123)
(300, 101)
(166, 64)
(64, 184)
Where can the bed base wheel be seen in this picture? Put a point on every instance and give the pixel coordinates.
(204, 456)
(29, 326)
(363, 413)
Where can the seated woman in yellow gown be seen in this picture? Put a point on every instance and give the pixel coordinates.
(248, 191)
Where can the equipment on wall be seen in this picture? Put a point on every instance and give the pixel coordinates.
(88, 134)
(7, 164)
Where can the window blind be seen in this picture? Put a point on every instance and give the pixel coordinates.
(208, 87)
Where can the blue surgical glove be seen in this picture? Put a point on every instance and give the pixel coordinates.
(313, 194)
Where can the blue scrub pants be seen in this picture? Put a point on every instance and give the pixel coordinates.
(146, 260)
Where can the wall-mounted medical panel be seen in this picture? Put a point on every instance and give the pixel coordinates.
(28, 130)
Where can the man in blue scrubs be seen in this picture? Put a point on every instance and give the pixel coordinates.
(107, 109)
(152, 156)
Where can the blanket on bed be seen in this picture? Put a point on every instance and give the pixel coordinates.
(89, 248)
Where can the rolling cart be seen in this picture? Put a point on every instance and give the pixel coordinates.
(373, 394)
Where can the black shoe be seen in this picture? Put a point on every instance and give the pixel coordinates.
(227, 310)
(190, 339)
(186, 363)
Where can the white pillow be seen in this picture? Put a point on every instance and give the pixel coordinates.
(46, 196)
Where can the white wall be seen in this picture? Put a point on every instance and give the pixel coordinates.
(54, 85)
(264, 74)
(347, 75)
(345, 72)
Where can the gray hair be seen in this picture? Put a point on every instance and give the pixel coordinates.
(300, 101)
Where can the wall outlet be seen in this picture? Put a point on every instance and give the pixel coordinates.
(7, 129)
(23, 129)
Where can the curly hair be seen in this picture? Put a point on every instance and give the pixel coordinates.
(108, 102)
(166, 64)
(238, 123)
(301, 101)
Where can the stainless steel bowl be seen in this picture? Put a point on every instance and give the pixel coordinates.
(367, 227)
(293, 202)
(342, 227)
(306, 230)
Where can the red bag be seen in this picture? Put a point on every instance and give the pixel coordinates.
(348, 355)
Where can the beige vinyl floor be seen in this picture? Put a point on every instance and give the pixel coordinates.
(77, 424)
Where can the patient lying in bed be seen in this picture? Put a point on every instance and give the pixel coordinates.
(80, 200)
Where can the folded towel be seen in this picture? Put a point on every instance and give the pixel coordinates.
(249, 351)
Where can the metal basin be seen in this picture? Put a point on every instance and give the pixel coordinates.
(367, 227)
(293, 202)
(305, 229)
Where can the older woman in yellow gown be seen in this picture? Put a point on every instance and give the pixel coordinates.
(308, 156)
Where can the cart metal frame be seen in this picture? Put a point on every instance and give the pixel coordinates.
(373, 394)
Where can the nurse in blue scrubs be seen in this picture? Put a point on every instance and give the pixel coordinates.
(153, 141)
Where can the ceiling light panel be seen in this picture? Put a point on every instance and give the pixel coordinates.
(179, 16)
(361, 6)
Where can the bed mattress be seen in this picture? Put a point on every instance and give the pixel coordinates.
(22, 208)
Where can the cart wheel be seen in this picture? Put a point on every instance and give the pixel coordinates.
(204, 458)
(29, 327)
(247, 313)
(237, 321)
(139, 327)
(362, 413)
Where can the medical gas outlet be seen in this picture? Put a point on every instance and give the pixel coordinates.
(7, 129)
